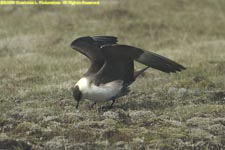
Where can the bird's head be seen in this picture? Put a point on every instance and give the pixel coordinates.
(77, 95)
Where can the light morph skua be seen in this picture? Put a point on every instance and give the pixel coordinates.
(112, 68)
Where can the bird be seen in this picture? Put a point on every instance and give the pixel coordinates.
(111, 69)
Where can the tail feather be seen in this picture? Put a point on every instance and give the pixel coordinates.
(137, 73)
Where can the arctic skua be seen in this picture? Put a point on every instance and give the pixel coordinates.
(112, 68)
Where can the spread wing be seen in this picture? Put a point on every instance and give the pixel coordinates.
(116, 69)
(142, 56)
(91, 48)
(119, 63)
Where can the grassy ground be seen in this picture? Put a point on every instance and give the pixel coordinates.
(164, 111)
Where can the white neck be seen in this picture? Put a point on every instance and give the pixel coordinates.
(83, 84)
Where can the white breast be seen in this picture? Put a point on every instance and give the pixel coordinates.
(103, 92)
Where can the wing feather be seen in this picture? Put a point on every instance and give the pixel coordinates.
(91, 48)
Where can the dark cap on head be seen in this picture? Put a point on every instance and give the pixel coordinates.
(77, 95)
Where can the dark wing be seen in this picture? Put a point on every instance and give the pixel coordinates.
(119, 63)
(116, 69)
(91, 48)
(118, 66)
(145, 57)
(101, 41)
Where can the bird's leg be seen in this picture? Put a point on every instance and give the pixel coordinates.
(104, 108)
(113, 101)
